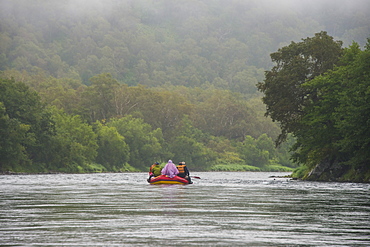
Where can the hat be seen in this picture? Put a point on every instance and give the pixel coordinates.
(156, 163)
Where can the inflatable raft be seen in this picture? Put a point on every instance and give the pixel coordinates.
(163, 179)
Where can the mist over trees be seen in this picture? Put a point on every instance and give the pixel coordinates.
(189, 43)
(117, 85)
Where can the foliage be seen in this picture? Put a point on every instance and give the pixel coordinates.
(129, 168)
(225, 114)
(26, 126)
(301, 171)
(138, 81)
(297, 63)
(277, 168)
(113, 151)
(335, 127)
(234, 168)
(321, 97)
(13, 135)
(261, 153)
(75, 143)
(154, 43)
(195, 153)
(145, 144)
(124, 143)
(94, 168)
(97, 99)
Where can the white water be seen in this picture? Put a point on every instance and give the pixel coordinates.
(220, 209)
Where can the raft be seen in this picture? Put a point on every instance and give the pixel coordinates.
(163, 179)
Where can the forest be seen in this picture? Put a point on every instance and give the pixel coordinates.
(97, 86)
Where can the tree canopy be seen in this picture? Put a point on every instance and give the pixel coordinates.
(26, 126)
(295, 64)
(335, 129)
(323, 102)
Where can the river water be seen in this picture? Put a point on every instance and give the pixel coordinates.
(219, 209)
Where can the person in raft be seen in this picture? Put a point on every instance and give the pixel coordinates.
(184, 171)
(154, 170)
(170, 169)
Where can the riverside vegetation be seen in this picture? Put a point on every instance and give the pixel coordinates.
(117, 86)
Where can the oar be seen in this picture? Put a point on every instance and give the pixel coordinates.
(195, 177)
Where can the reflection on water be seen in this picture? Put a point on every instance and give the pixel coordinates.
(220, 209)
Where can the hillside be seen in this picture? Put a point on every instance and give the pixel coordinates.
(116, 85)
(188, 43)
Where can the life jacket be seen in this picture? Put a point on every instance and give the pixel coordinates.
(181, 168)
(156, 170)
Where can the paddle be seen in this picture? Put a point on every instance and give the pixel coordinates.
(195, 177)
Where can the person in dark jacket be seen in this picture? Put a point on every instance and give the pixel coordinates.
(184, 171)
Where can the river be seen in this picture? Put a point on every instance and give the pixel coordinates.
(219, 209)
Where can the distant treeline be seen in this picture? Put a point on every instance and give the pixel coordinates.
(107, 126)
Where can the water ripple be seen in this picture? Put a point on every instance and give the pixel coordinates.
(220, 209)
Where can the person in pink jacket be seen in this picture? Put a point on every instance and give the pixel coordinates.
(170, 169)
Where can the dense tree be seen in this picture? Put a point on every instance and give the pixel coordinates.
(98, 98)
(224, 114)
(128, 100)
(252, 154)
(144, 143)
(334, 135)
(261, 153)
(196, 155)
(188, 144)
(165, 110)
(74, 145)
(297, 63)
(113, 151)
(13, 136)
(27, 124)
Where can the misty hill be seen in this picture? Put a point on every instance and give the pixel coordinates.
(189, 43)
(112, 85)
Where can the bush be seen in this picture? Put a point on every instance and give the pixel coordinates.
(277, 168)
(128, 168)
(95, 168)
(300, 172)
(234, 168)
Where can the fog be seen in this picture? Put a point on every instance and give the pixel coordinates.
(334, 16)
(308, 7)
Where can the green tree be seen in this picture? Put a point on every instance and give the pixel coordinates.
(353, 114)
(297, 63)
(129, 100)
(13, 136)
(144, 143)
(189, 145)
(75, 144)
(113, 151)
(27, 124)
(335, 132)
(224, 114)
(164, 110)
(251, 154)
(98, 98)
(194, 153)
(265, 143)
